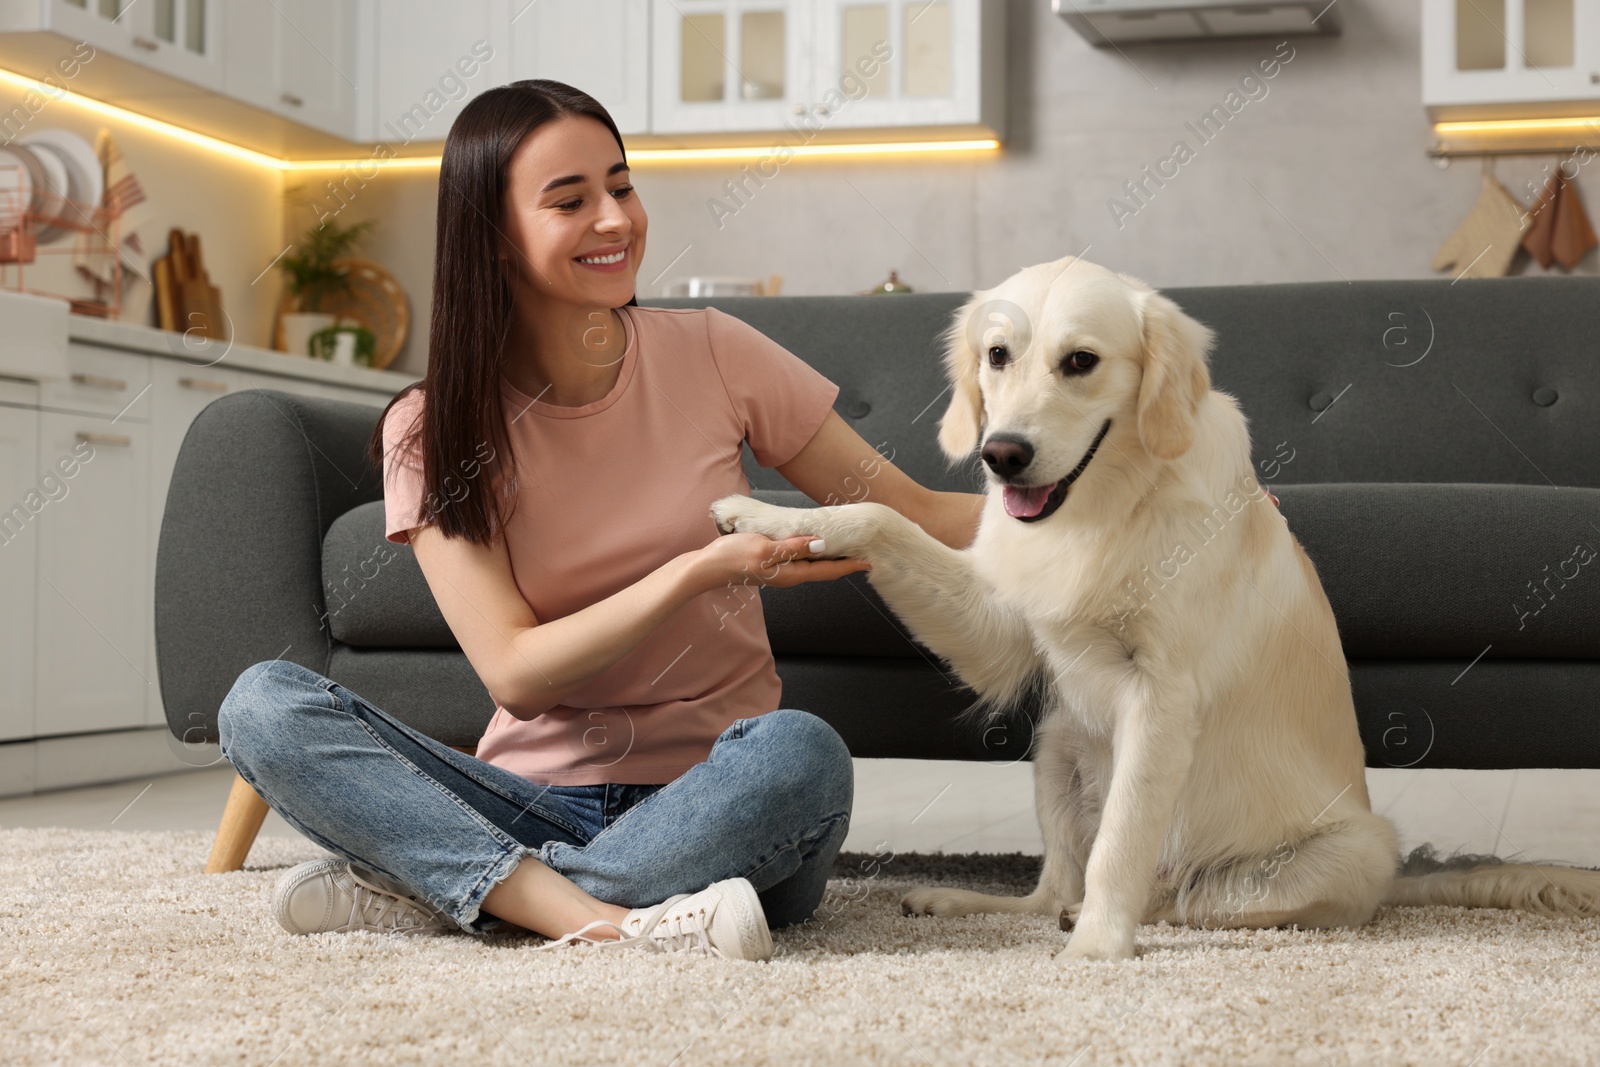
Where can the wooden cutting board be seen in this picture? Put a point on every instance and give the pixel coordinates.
(186, 301)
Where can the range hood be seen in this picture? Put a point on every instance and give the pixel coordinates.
(1113, 22)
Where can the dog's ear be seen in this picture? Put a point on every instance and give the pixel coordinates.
(962, 423)
(1176, 377)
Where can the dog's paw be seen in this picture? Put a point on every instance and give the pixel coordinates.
(743, 514)
(932, 900)
(1097, 942)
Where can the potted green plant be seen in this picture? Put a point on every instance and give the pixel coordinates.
(349, 345)
(312, 277)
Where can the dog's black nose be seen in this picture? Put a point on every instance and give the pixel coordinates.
(1007, 455)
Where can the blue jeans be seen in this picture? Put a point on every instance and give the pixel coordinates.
(771, 804)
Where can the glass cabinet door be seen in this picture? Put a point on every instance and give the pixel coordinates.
(176, 37)
(1512, 52)
(188, 42)
(729, 64)
(899, 62)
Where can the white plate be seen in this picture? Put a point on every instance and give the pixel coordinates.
(85, 177)
(50, 195)
(16, 190)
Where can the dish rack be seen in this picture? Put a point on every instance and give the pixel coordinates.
(19, 246)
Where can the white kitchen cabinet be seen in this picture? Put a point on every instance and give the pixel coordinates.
(19, 544)
(297, 58)
(1485, 59)
(909, 62)
(188, 39)
(430, 60)
(94, 594)
(105, 417)
(353, 396)
(599, 46)
(101, 382)
(729, 65)
(181, 38)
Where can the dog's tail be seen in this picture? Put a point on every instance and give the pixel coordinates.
(1490, 882)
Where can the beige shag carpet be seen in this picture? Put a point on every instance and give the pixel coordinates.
(116, 950)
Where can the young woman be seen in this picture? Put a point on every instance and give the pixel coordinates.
(638, 784)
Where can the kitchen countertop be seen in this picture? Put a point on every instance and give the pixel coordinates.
(205, 353)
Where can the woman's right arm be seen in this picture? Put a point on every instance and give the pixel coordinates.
(529, 666)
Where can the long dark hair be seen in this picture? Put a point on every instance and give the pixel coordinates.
(467, 473)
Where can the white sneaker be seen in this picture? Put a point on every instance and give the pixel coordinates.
(334, 895)
(724, 919)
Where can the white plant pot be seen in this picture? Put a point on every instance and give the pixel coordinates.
(298, 326)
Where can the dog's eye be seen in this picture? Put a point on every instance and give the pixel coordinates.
(999, 355)
(1079, 363)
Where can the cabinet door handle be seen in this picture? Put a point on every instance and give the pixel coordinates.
(120, 440)
(100, 381)
(291, 99)
(146, 43)
(204, 384)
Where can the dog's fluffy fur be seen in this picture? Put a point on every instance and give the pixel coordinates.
(1198, 759)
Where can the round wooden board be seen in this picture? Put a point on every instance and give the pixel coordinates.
(375, 300)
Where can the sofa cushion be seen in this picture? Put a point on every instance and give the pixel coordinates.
(1412, 571)
(1415, 571)
(1422, 380)
(377, 598)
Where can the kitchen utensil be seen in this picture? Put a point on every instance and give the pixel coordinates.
(86, 178)
(166, 294)
(210, 297)
(50, 194)
(16, 190)
(186, 300)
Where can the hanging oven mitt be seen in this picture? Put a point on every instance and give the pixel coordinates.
(1488, 238)
(1573, 235)
(1541, 235)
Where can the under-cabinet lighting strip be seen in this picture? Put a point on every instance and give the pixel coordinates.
(248, 155)
(1591, 123)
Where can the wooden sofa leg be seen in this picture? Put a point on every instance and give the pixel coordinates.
(241, 821)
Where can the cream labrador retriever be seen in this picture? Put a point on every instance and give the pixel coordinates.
(1197, 760)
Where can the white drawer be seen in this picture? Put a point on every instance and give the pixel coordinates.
(19, 394)
(102, 382)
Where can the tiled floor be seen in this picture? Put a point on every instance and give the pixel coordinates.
(932, 806)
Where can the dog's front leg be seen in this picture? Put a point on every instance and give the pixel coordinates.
(928, 584)
(1152, 747)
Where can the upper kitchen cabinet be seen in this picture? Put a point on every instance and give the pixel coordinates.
(729, 65)
(300, 59)
(599, 46)
(179, 39)
(910, 62)
(758, 65)
(1488, 59)
(430, 60)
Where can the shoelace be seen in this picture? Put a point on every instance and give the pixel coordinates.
(400, 914)
(687, 931)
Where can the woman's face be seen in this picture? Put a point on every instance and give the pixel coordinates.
(574, 228)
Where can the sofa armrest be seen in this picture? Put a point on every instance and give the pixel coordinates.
(260, 477)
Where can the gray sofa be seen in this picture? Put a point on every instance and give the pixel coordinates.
(1435, 447)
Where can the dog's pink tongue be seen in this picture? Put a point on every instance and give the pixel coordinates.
(1024, 503)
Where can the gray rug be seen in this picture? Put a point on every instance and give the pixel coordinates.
(117, 951)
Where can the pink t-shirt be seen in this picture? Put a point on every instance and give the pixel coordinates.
(610, 491)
